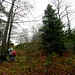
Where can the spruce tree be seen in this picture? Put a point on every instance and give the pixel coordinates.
(51, 32)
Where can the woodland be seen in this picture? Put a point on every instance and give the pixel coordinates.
(51, 48)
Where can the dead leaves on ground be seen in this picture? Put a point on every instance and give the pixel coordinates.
(34, 63)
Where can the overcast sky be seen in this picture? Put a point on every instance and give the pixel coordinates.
(38, 9)
(40, 6)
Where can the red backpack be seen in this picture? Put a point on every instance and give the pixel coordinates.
(13, 53)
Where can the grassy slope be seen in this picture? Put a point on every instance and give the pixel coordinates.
(32, 62)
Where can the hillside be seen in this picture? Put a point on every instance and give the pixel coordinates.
(35, 62)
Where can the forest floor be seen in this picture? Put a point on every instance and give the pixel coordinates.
(36, 63)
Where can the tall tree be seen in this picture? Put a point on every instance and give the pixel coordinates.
(19, 9)
(51, 32)
(3, 48)
(23, 36)
(68, 23)
(2, 22)
(64, 9)
(10, 29)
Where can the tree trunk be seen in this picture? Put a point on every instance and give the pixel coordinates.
(9, 35)
(4, 38)
(69, 28)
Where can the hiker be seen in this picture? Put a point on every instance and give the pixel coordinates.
(12, 54)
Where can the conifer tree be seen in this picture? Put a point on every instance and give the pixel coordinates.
(51, 32)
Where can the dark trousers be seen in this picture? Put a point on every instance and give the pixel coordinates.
(12, 57)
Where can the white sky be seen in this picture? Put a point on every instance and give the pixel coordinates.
(40, 6)
(38, 10)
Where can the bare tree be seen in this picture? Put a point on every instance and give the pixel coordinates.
(63, 10)
(1, 1)
(60, 8)
(3, 48)
(10, 29)
(68, 23)
(21, 10)
(35, 34)
(18, 10)
(23, 36)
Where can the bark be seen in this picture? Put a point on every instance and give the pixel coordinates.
(4, 38)
(69, 28)
(1, 1)
(9, 35)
